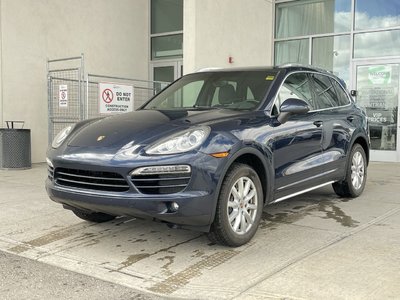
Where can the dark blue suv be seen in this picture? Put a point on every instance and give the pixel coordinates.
(212, 149)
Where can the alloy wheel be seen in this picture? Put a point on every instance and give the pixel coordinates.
(357, 170)
(242, 205)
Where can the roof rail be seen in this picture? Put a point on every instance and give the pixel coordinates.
(287, 65)
(209, 69)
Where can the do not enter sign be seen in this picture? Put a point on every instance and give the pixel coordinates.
(107, 96)
(115, 98)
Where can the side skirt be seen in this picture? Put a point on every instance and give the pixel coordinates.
(301, 192)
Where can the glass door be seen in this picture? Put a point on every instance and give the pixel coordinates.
(377, 85)
(166, 71)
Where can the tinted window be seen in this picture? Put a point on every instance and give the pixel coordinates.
(342, 96)
(297, 86)
(324, 92)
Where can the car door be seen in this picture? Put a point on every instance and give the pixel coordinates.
(336, 113)
(296, 144)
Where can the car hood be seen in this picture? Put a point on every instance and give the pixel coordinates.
(143, 126)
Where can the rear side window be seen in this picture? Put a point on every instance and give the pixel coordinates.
(342, 96)
(324, 92)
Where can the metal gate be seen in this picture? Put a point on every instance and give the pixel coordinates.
(65, 93)
(74, 96)
(143, 90)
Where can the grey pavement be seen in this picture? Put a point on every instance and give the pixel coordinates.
(23, 278)
(314, 246)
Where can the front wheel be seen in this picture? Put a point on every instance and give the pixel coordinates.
(96, 217)
(239, 207)
(356, 174)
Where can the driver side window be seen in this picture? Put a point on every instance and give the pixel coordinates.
(297, 86)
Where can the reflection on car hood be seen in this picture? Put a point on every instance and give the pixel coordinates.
(143, 126)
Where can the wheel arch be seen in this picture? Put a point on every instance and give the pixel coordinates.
(260, 162)
(362, 141)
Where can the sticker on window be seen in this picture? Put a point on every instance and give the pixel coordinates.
(270, 77)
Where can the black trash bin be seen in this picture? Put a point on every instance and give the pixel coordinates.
(15, 146)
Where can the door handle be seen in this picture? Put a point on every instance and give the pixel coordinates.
(350, 118)
(318, 123)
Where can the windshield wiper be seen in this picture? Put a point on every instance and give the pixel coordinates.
(200, 107)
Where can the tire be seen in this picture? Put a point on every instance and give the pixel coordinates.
(96, 217)
(356, 174)
(237, 216)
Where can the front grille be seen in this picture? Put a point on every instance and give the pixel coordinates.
(93, 180)
(161, 183)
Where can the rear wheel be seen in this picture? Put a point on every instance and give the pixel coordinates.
(96, 217)
(356, 174)
(239, 207)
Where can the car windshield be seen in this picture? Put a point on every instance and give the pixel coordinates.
(240, 90)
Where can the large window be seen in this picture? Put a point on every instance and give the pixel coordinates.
(300, 18)
(166, 29)
(377, 44)
(166, 16)
(373, 14)
(328, 34)
(292, 51)
(332, 53)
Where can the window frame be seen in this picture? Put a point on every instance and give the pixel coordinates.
(275, 99)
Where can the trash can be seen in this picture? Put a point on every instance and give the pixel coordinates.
(15, 146)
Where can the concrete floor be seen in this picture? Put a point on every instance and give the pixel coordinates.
(314, 246)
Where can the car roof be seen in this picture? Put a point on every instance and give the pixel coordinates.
(284, 67)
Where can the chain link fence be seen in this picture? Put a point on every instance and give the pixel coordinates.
(73, 97)
(142, 91)
(65, 91)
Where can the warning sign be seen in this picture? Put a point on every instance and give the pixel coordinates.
(63, 95)
(115, 98)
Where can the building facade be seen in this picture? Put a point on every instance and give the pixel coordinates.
(359, 40)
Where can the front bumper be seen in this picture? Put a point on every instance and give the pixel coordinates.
(196, 202)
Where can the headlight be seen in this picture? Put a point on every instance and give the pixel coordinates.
(181, 142)
(61, 136)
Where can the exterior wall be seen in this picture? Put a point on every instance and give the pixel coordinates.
(215, 30)
(112, 35)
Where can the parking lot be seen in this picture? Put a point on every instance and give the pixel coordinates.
(314, 246)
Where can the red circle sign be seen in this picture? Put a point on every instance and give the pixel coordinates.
(107, 96)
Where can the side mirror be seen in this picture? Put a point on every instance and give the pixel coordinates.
(353, 93)
(292, 106)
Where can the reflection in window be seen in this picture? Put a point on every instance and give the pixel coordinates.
(295, 51)
(343, 98)
(378, 93)
(325, 96)
(299, 18)
(295, 86)
(377, 44)
(333, 54)
(377, 14)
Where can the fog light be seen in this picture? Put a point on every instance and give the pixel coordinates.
(173, 207)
